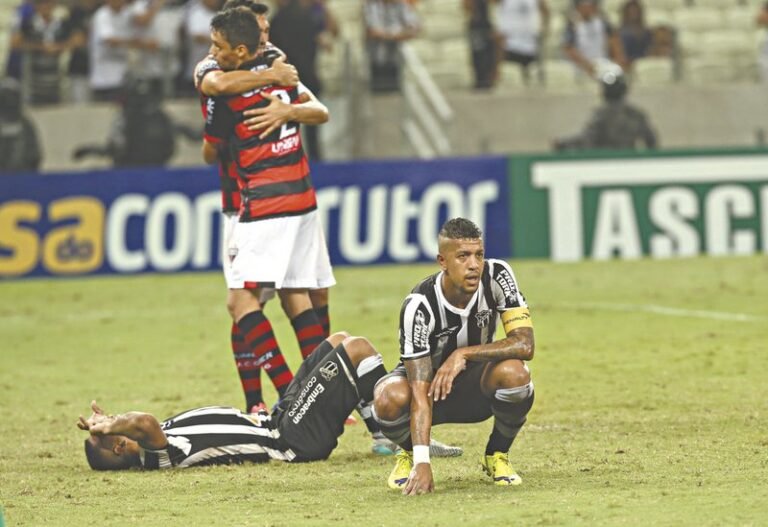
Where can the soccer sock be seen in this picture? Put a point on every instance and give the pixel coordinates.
(247, 369)
(308, 331)
(325, 320)
(369, 371)
(510, 407)
(260, 342)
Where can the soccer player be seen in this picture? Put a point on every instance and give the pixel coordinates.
(340, 373)
(212, 81)
(451, 370)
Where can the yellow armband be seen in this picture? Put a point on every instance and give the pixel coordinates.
(517, 317)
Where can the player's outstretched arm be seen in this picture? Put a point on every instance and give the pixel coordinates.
(141, 427)
(218, 82)
(309, 110)
(419, 372)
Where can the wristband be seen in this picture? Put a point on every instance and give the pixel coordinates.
(420, 454)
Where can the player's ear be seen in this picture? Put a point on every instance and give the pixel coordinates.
(441, 261)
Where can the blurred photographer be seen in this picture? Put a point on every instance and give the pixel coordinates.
(616, 125)
(19, 145)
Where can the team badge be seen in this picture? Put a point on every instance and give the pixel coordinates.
(483, 318)
(329, 370)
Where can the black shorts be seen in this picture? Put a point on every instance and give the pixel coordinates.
(311, 414)
(466, 402)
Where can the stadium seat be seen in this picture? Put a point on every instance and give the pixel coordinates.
(741, 18)
(666, 4)
(427, 50)
(701, 19)
(653, 71)
(510, 77)
(728, 42)
(658, 17)
(689, 43)
(716, 4)
(561, 76)
(708, 70)
(444, 26)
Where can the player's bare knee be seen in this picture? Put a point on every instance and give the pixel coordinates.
(391, 398)
(337, 338)
(358, 348)
(509, 373)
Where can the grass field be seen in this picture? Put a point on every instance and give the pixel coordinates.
(651, 382)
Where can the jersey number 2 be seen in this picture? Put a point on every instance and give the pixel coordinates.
(287, 129)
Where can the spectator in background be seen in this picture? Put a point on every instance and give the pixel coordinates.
(79, 27)
(197, 32)
(636, 37)
(523, 25)
(762, 21)
(19, 146)
(13, 64)
(387, 24)
(41, 39)
(155, 39)
(482, 43)
(589, 38)
(111, 36)
(616, 125)
(296, 29)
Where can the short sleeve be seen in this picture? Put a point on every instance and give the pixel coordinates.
(203, 68)
(416, 325)
(506, 291)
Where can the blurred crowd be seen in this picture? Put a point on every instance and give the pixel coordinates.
(89, 49)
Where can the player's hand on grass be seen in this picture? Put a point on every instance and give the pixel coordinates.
(443, 381)
(269, 118)
(420, 480)
(285, 74)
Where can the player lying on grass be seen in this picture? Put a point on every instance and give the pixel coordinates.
(451, 369)
(340, 373)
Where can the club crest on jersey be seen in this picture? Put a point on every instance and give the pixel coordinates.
(483, 318)
(329, 370)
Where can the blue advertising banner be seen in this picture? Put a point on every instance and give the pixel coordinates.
(132, 221)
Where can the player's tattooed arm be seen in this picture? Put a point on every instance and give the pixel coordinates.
(519, 344)
(420, 375)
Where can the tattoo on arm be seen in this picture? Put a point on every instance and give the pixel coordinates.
(519, 344)
(420, 378)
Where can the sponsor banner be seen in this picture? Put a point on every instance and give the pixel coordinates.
(670, 205)
(132, 221)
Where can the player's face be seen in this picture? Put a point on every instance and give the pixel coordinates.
(462, 262)
(264, 26)
(227, 56)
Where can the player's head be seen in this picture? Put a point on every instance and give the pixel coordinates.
(111, 453)
(235, 37)
(461, 254)
(258, 9)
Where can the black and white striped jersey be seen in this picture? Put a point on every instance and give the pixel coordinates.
(429, 325)
(216, 435)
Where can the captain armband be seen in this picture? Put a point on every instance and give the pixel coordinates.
(517, 317)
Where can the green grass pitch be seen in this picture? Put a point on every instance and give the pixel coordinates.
(651, 402)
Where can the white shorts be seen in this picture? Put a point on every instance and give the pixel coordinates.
(228, 252)
(280, 253)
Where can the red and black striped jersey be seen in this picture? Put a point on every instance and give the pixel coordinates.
(228, 179)
(274, 171)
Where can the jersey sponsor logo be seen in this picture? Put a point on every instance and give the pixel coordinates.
(507, 285)
(420, 330)
(483, 318)
(286, 145)
(210, 106)
(447, 332)
(305, 400)
(329, 370)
